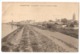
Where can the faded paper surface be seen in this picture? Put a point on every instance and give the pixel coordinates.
(40, 26)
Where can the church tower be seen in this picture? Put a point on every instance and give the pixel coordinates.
(73, 17)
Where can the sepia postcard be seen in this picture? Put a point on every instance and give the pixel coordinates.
(40, 27)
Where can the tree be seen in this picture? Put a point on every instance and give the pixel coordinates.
(75, 22)
(50, 20)
(64, 21)
(71, 25)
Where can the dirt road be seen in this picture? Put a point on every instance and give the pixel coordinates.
(33, 39)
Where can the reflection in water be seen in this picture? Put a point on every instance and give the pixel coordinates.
(12, 26)
(7, 28)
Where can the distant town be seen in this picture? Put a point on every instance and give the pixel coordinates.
(69, 27)
(59, 23)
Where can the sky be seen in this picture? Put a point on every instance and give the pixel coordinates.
(38, 11)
